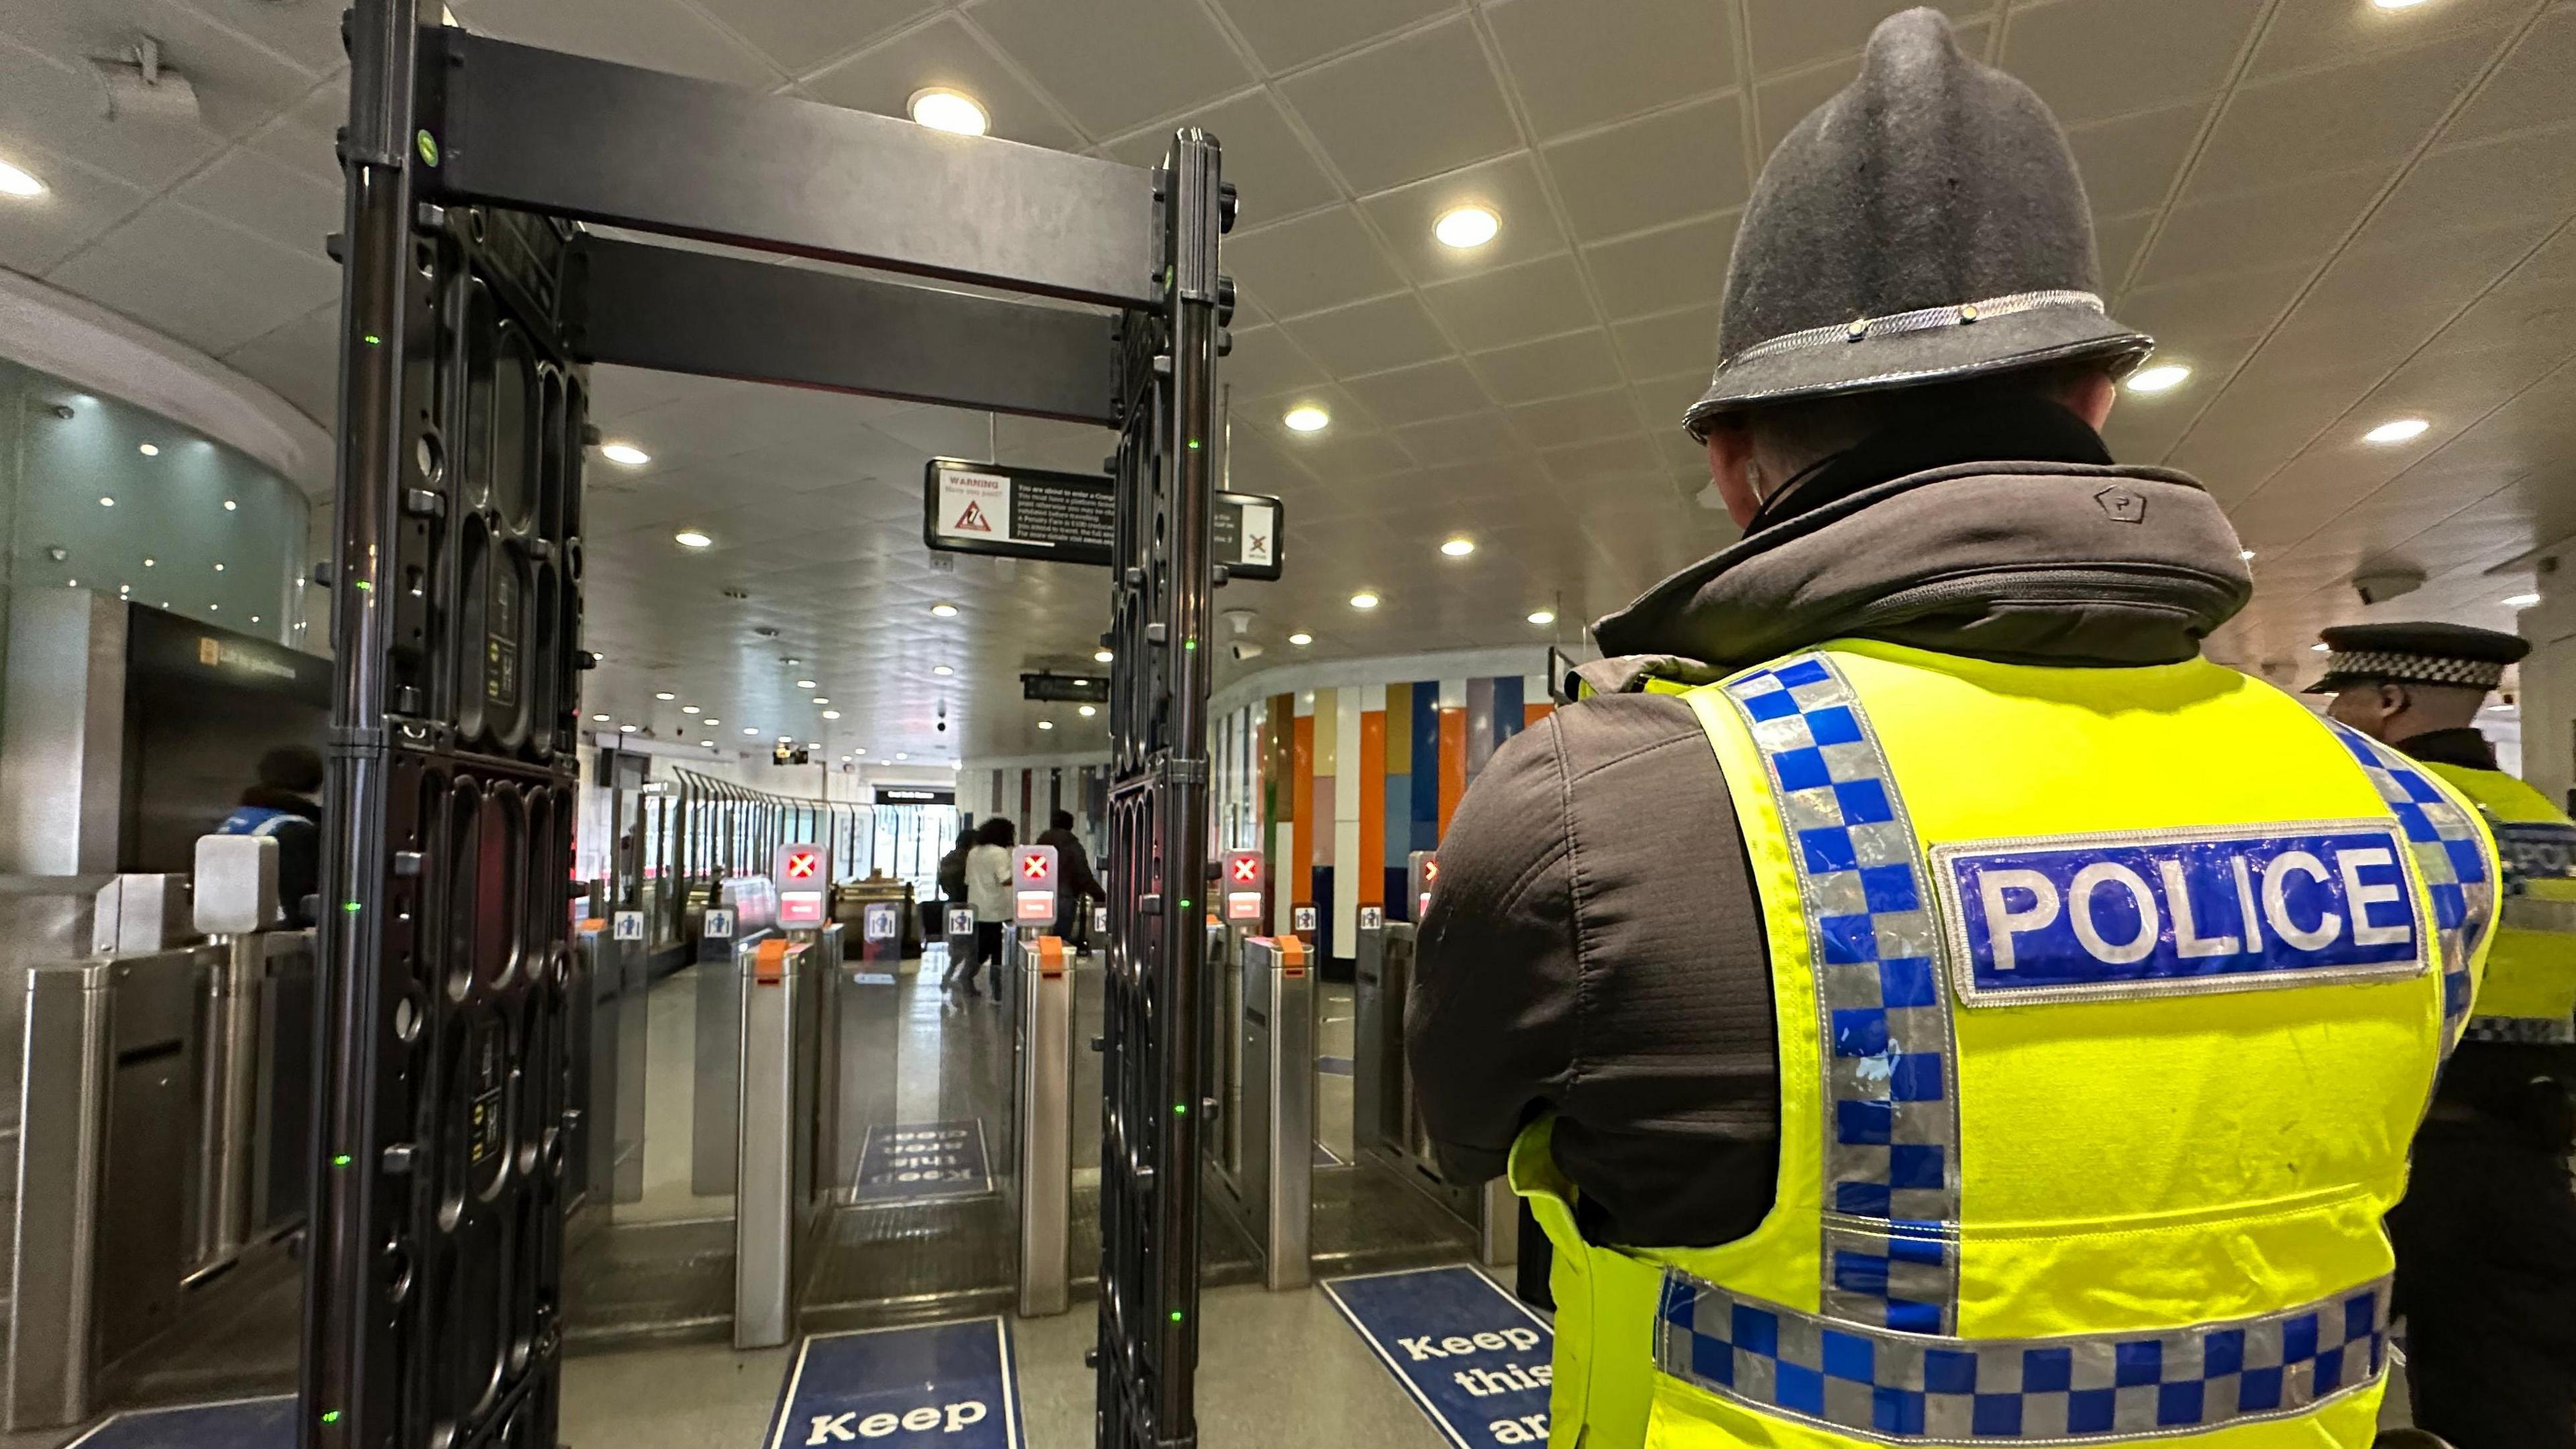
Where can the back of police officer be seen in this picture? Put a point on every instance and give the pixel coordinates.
(1919, 996)
(2486, 1238)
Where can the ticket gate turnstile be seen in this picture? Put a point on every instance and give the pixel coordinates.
(1263, 1173)
(1040, 1003)
(1387, 1127)
(785, 1127)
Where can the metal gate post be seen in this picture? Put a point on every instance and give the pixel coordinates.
(1045, 1006)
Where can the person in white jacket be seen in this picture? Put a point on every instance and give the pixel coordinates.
(988, 890)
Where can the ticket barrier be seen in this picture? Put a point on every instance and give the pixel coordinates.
(1264, 1172)
(876, 919)
(1040, 1000)
(1387, 1122)
(789, 1054)
(609, 1059)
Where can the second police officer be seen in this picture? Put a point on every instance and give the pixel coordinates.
(1920, 997)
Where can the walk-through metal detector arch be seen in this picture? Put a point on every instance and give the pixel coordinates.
(472, 304)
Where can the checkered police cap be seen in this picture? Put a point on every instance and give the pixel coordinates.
(2445, 654)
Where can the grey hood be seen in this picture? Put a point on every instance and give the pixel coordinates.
(2032, 563)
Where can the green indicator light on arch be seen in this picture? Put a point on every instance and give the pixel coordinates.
(1176, 1315)
(330, 1416)
(1180, 1109)
(427, 145)
(342, 1160)
(350, 906)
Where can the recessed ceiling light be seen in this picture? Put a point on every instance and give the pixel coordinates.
(1363, 600)
(942, 670)
(804, 684)
(2246, 554)
(751, 729)
(664, 694)
(943, 611)
(626, 729)
(691, 538)
(858, 749)
(2396, 4)
(2164, 377)
(1459, 547)
(831, 714)
(1102, 656)
(599, 719)
(1086, 711)
(2319, 649)
(2396, 430)
(711, 719)
(900, 755)
(230, 506)
(688, 709)
(106, 502)
(942, 109)
(14, 182)
(818, 699)
(1046, 724)
(1301, 639)
(625, 455)
(149, 450)
(72, 584)
(2521, 601)
(1542, 616)
(152, 563)
(1307, 418)
(219, 568)
(1465, 227)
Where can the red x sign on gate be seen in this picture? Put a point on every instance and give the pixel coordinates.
(802, 864)
(1247, 869)
(1034, 867)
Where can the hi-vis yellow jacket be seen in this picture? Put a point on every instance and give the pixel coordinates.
(2529, 993)
(2108, 1002)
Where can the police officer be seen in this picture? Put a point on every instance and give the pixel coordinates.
(1920, 997)
(2486, 1238)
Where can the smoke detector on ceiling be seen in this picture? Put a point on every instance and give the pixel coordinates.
(1241, 619)
(140, 87)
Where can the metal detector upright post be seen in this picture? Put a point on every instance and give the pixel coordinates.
(1151, 1109)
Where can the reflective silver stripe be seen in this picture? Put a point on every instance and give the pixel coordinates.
(1924, 319)
(1899, 1388)
(2532, 1030)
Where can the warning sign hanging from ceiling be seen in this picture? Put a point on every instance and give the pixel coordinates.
(973, 504)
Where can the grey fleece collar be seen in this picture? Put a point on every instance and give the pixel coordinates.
(2033, 563)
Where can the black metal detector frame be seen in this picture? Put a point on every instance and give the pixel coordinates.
(472, 306)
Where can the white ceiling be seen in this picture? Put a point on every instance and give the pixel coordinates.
(2336, 214)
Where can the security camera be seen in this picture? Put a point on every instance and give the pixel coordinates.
(2380, 585)
(943, 727)
(1244, 649)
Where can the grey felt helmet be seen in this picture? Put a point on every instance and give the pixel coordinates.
(1925, 224)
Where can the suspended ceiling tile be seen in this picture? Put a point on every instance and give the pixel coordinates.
(665, 35)
(299, 361)
(1673, 342)
(239, 82)
(2129, 164)
(2299, 222)
(1512, 304)
(2530, 88)
(79, 205)
(1265, 362)
(303, 32)
(153, 268)
(1589, 466)
(1790, 33)
(1322, 259)
(2525, 177)
(1373, 336)
(1656, 271)
(1654, 170)
(304, 136)
(1549, 367)
(54, 105)
(2214, 306)
(1470, 438)
(884, 78)
(1579, 63)
(1564, 421)
(1663, 400)
(269, 197)
(799, 37)
(2090, 59)
(1285, 34)
(2325, 32)
(1274, 174)
(1429, 390)
(1508, 186)
(1114, 64)
(2364, 115)
(1415, 106)
(2115, 245)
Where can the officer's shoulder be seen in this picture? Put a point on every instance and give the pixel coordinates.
(1600, 730)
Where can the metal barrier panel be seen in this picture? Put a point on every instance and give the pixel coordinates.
(1387, 1126)
(1286, 992)
(228, 1030)
(1045, 1130)
(773, 988)
(62, 1150)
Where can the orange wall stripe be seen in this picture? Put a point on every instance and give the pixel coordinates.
(1299, 876)
(1372, 771)
(1453, 763)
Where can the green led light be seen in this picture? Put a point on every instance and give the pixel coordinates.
(1180, 1109)
(372, 340)
(1194, 445)
(365, 588)
(428, 145)
(1185, 903)
(342, 1160)
(1189, 644)
(1176, 1315)
(350, 906)
(330, 1416)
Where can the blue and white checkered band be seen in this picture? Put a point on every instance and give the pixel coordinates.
(1900, 1388)
(2446, 852)
(1891, 1159)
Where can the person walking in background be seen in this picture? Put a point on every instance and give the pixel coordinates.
(283, 807)
(952, 896)
(1079, 887)
(988, 890)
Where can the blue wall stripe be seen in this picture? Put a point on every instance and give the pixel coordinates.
(1426, 769)
(1507, 708)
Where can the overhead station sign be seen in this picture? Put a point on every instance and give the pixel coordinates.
(1072, 517)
